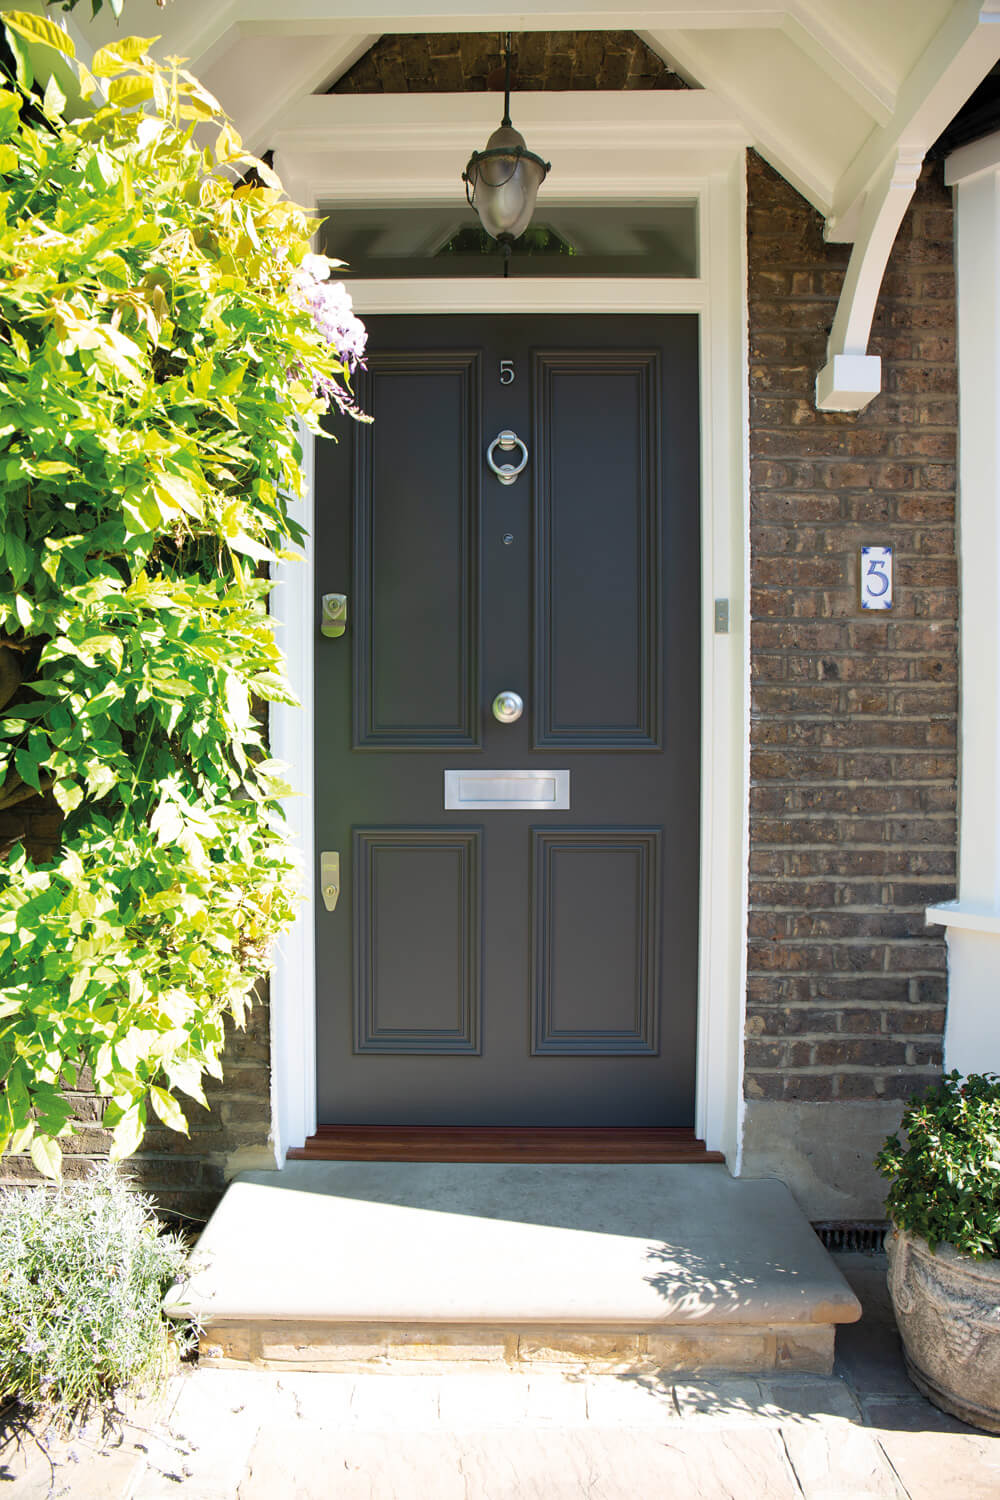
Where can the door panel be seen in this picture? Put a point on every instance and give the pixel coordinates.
(597, 573)
(500, 968)
(416, 569)
(595, 941)
(417, 910)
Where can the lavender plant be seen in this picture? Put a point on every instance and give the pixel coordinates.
(83, 1271)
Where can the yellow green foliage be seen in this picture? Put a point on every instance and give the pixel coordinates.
(154, 374)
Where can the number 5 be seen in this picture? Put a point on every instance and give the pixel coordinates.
(506, 372)
(877, 580)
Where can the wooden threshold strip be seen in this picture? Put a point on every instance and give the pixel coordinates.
(457, 1143)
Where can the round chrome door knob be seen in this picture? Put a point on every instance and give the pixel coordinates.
(508, 707)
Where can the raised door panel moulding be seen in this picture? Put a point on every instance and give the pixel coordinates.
(416, 568)
(418, 940)
(597, 616)
(596, 939)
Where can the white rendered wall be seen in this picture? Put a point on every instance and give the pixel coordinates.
(972, 1033)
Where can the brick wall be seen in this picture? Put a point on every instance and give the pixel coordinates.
(853, 732)
(452, 62)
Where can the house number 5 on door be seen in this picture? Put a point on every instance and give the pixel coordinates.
(506, 372)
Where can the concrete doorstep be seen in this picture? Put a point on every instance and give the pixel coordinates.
(255, 1434)
(341, 1266)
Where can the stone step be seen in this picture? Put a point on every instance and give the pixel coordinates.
(420, 1265)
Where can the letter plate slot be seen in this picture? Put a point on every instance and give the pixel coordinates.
(506, 791)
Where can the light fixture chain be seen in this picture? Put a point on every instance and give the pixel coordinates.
(506, 88)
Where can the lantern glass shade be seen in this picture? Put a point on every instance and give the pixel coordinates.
(502, 183)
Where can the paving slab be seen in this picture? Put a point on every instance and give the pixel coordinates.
(534, 1466)
(834, 1461)
(633, 1401)
(869, 1352)
(221, 1434)
(421, 1243)
(935, 1465)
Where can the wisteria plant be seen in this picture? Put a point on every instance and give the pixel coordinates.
(165, 332)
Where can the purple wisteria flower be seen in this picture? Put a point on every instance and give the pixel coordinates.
(330, 306)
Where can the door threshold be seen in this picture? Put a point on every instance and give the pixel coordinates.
(507, 1144)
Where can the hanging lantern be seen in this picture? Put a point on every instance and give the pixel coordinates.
(502, 182)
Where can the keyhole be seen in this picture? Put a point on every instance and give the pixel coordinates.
(508, 538)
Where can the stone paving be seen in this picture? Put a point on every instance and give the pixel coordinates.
(259, 1435)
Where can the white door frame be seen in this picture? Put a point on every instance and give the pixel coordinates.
(354, 149)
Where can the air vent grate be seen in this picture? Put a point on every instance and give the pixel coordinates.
(867, 1235)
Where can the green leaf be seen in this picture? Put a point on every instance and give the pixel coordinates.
(10, 109)
(249, 548)
(183, 495)
(54, 102)
(118, 56)
(26, 765)
(68, 795)
(130, 91)
(147, 465)
(128, 1133)
(168, 1109)
(22, 62)
(47, 1157)
(39, 29)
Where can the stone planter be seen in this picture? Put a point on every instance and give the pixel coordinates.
(948, 1311)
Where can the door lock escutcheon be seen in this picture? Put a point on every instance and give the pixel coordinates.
(334, 621)
(329, 879)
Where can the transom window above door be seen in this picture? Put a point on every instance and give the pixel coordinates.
(382, 241)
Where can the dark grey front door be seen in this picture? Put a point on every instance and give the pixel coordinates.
(488, 966)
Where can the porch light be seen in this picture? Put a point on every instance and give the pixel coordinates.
(502, 182)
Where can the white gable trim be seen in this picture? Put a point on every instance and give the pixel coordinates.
(419, 152)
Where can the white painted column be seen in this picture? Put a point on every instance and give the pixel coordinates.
(972, 1034)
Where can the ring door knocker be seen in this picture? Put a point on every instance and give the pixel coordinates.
(507, 441)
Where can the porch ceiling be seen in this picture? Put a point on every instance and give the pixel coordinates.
(829, 90)
(842, 97)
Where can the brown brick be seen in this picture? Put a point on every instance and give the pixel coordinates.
(854, 718)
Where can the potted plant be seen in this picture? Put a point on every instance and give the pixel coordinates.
(944, 1248)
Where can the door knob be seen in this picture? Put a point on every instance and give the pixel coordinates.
(508, 707)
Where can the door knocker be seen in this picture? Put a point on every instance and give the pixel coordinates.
(507, 441)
